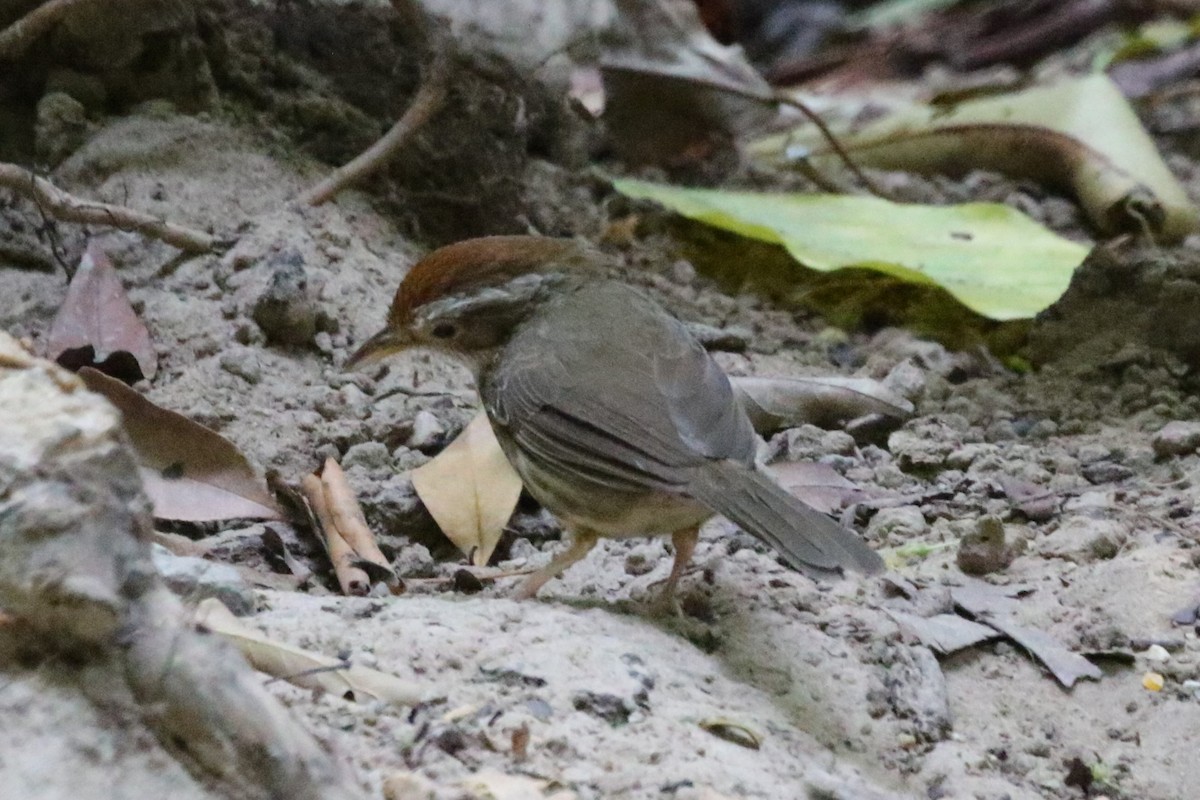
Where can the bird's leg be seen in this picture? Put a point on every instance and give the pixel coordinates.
(582, 541)
(685, 544)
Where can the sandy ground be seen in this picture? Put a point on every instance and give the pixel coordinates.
(618, 701)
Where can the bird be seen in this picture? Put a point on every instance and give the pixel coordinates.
(616, 418)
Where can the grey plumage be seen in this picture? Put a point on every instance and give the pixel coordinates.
(606, 409)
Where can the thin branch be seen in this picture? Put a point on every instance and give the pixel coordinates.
(17, 37)
(429, 99)
(778, 98)
(66, 207)
(828, 135)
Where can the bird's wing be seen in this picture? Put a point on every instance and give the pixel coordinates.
(606, 384)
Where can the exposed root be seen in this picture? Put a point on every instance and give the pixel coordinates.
(66, 207)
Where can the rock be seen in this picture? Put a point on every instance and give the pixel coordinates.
(1106, 472)
(1177, 438)
(1082, 539)
(916, 691)
(427, 431)
(371, 456)
(895, 526)
(195, 579)
(729, 340)
(810, 443)
(923, 445)
(242, 362)
(963, 457)
(608, 707)
(413, 561)
(404, 785)
(984, 550)
(1157, 654)
(61, 127)
(286, 311)
(1092, 453)
(643, 558)
(906, 379)
(683, 272)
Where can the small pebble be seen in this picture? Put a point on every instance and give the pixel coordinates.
(1153, 681)
(1156, 653)
(1176, 438)
(427, 431)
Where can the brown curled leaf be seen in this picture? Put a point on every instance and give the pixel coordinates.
(347, 517)
(97, 327)
(777, 403)
(1079, 135)
(352, 578)
(303, 668)
(190, 472)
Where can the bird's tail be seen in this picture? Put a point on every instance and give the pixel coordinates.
(802, 535)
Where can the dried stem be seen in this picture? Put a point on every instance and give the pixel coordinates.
(17, 37)
(66, 207)
(429, 99)
(352, 579)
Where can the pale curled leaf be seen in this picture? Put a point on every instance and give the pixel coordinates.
(775, 403)
(347, 516)
(992, 258)
(352, 579)
(996, 606)
(190, 472)
(1077, 134)
(96, 324)
(304, 668)
(470, 490)
(944, 633)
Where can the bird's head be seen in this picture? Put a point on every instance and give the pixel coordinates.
(467, 298)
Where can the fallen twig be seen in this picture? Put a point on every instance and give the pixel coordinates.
(429, 99)
(17, 37)
(68, 208)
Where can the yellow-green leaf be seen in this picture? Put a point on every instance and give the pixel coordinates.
(994, 259)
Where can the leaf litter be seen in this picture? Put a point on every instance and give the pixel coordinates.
(190, 472)
(96, 325)
(307, 669)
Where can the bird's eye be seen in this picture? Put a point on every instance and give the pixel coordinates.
(444, 330)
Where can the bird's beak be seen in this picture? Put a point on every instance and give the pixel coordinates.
(383, 344)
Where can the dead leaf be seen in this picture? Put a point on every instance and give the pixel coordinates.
(470, 489)
(996, 606)
(818, 485)
(673, 93)
(944, 633)
(304, 668)
(190, 472)
(1079, 134)
(97, 327)
(734, 732)
(777, 403)
(348, 516)
(352, 578)
(273, 542)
